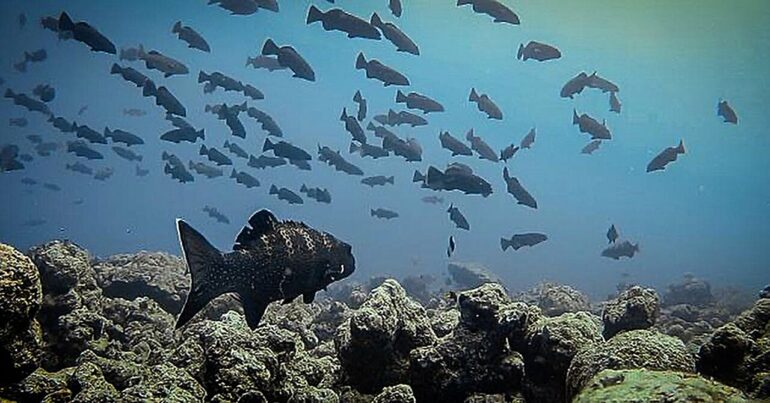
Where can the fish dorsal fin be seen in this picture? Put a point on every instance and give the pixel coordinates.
(262, 222)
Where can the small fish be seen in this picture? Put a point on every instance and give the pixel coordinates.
(245, 179)
(383, 213)
(594, 81)
(45, 149)
(335, 159)
(175, 168)
(286, 194)
(591, 147)
(318, 194)
(353, 127)
(130, 54)
(368, 150)
(179, 135)
(81, 149)
(338, 20)
(129, 74)
(103, 174)
(237, 7)
(236, 150)
(271, 261)
(45, 92)
(394, 34)
(26, 157)
(85, 33)
(264, 161)
(433, 200)
(378, 71)
(574, 86)
(458, 218)
(359, 99)
(379, 180)
(52, 187)
(508, 152)
(454, 145)
(492, 8)
(217, 79)
(668, 155)
(178, 122)
(134, 112)
(191, 37)
(451, 248)
(122, 136)
(301, 164)
(726, 112)
(395, 7)
(30, 104)
(28, 181)
(215, 155)
(264, 62)
(405, 118)
(414, 100)
(515, 188)
(410, 149)
(205, 170)
(164, 98)
(621, 249)
(288, 57)
(614, 103)
(82, 110)
(486, 105)
(18, 122)
(215, 214)
(85, 132)
(139, 171)
(62, 124)
(169, 66)
(538, 51)
(80, 168)
(286, 150)
(126, 154)
(521, 240)
(267, 122)
(612, 234)
(481, 147)
(589, 125)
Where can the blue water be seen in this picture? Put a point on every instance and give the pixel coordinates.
(708, 213)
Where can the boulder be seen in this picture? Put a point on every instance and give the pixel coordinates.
(634, 308)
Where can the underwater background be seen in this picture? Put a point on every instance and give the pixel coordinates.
(707, 213)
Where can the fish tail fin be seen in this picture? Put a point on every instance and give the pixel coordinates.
(65, 22)
(165, 156)
(370, 126)
(357, 97)
(360, 61)
(469, 135)
(505, 244)
(203, 150)
(227, 144)
(115, 69)
(9, 93)
(303, 188)
(473, 97)
(520, 52)
(354, 148)
(268, 145)
(391, 179)
(190, 164)
(680, 148)
(344, 114)
(375, 20)
(251, 61)
(418, 176)
(201, 259)
(149, 89)
(202, 76)
(636, 247)
(167, 168)
(200, 134)
(313, 15)
(107, 132)
(273, 190)
(400, 97)
(506, 174)
(177, 27)
(234, 173)
(371, 212)
(270, 48)
(464, 2)
(575, 117)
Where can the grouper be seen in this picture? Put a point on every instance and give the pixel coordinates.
(271, 261)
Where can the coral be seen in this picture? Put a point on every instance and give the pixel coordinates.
(635, 308)
(629, 350)
(691, 290)
(470, 275)
(395, 394)
(556, 299)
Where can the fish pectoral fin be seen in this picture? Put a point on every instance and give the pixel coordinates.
(308, 297)
(253, 308)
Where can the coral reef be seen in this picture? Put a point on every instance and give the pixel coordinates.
(691, 290)
(470, 275)
(556, 299)
(634, 308)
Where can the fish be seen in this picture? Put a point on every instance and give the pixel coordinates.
(36, 56)
(85, 132)
(521, 240)
(433, 200)
(267, 121)
(216, 214)
(410, 149)
(271, 261)
(451, 248)
(82, 109)
(205, 170)
(621, 249)
(591, 147)
(614, 103)
(8, 155)
(190, 36)
(52, 187)
(129, 74)
(62, 124)
(338, 20)
(51, 23)
(382, 132)
(574, 86)
(381, 119)
(215, 155)
(353, 127)
(665, 157)
(178, 172)
(589, 125)
(103, 174)
(45, 149)
(264, 161)
(217, 79)
(244, 178)
(317, 194)
(18, 122)
(31, 104)
(486, 105)
(394, 34)
(164, 98)
(538, 51)
(264, 62)
(335, 159)
(22, 20)
(368, 150)
(187, 134)
(726, 112)
(139, 171)
(515, 188)
(85, 33)
(395, 7)
(359, 99)
(252, 92)
(130, 54)
(236, 150)
(81, 149)
(178, 122)
(45, 92)
(169, 66)
(301, 164)
(126, 154)
(404, 117)
(134, 112)
(594, 81)
(286, 150)
(379, 180)
(453, 144)
(383, 213)
(289, 58)
(508, 152)
(28, 181)
(415, 100)
(237, 7)
(455, 177)
(458, 218)
(286, 194)
(230, 116)
(481, 147)
(122, 136)
(612, 234)
(378, 71)
(492, 8)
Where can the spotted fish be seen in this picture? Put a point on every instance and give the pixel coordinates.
(271, 261)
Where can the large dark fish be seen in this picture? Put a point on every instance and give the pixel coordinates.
(486, 105)
(264, 161)
(575, 85)
(383, 213)
(169, 66)
(129, 74)
(80, 168)
(317, 194)
(335, 159)
(164, 98)
(612, 234)
(405, 118)
(594, 81)
(521, 240)
(127, 154)
(85, 132)
(236, 149)
(481, 147)
(303, 165)
(455, 177)
(217, 79)
(205, 170)
(458, 218)
(338, 20)
(271, 261)
(190, 36)
(375, 69)
(382, 132)
(122, 136)
(61, 124)
(29, 103)
(353, 127)
(517, 190)
(492, 8)
(286, 194)
(81, 149)
(244, 178)
(87, 34)
(215, 155)
(267, 121)
(508, 152)
(237, 7)
(394, 35)
(621, 249)
(410, 149)
(288, 57)
(230, 116)
(454, 145)
(187, 134)
(368, 150)
(589, 125)
(178, 172)
(665, 157)
(726, 112)
(379, 180)
(359, 99)
(538, 51)
(286, 150)
(415, 100)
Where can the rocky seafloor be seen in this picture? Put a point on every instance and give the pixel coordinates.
(79, 329)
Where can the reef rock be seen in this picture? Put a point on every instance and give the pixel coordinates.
(634, 308)
(642, 385)
(395, 394)
(629, 350)
(374, 344)
(470, 275)
(691, 290)
(556, 299)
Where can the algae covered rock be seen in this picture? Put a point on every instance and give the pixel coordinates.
(634, 308)
(395, 394)
(641, 385)
(629, 350)
(556, 299)
(691, 290)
